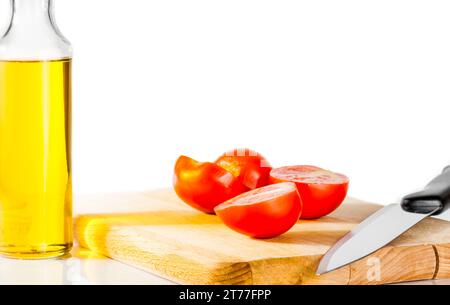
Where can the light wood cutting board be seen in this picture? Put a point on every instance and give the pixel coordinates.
(156, 232)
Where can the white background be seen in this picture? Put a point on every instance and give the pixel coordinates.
(359, 87)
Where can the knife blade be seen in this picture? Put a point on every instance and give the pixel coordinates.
(388, 223)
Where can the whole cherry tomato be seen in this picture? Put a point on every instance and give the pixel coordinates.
(250, 167)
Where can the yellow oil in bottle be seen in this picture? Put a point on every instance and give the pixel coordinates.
(35, 158)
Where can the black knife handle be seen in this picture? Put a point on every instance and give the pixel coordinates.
(436, 195)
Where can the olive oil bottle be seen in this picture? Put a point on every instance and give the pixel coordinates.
(35, 135)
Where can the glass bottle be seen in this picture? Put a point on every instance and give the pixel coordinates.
(35, 134)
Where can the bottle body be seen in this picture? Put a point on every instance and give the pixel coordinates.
(35, 139)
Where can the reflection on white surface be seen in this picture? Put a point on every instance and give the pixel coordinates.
(84, 267)
(431, 282)
(56, 271)
(81, 268)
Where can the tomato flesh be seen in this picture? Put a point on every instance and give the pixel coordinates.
(204, 185)
(248, 166)
(263, 213)
(321, 191)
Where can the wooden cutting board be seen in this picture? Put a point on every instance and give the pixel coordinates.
(156, 232)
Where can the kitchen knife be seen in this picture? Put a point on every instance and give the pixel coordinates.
(389, 222)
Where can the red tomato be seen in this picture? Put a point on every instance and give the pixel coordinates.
(321, 191)
(204, 185)
(262, 213)
(251, 168)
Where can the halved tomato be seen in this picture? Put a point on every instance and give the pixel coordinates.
(322, 191)
(250, 167)
(203, 185)
(262, 213)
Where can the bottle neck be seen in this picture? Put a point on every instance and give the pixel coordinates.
(33, 34)
(31, 12)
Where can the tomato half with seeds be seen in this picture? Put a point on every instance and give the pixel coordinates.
(204, 185)
(264, 212)
(322, 191)
(250, 167)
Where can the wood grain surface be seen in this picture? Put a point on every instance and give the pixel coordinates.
(156, 232)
